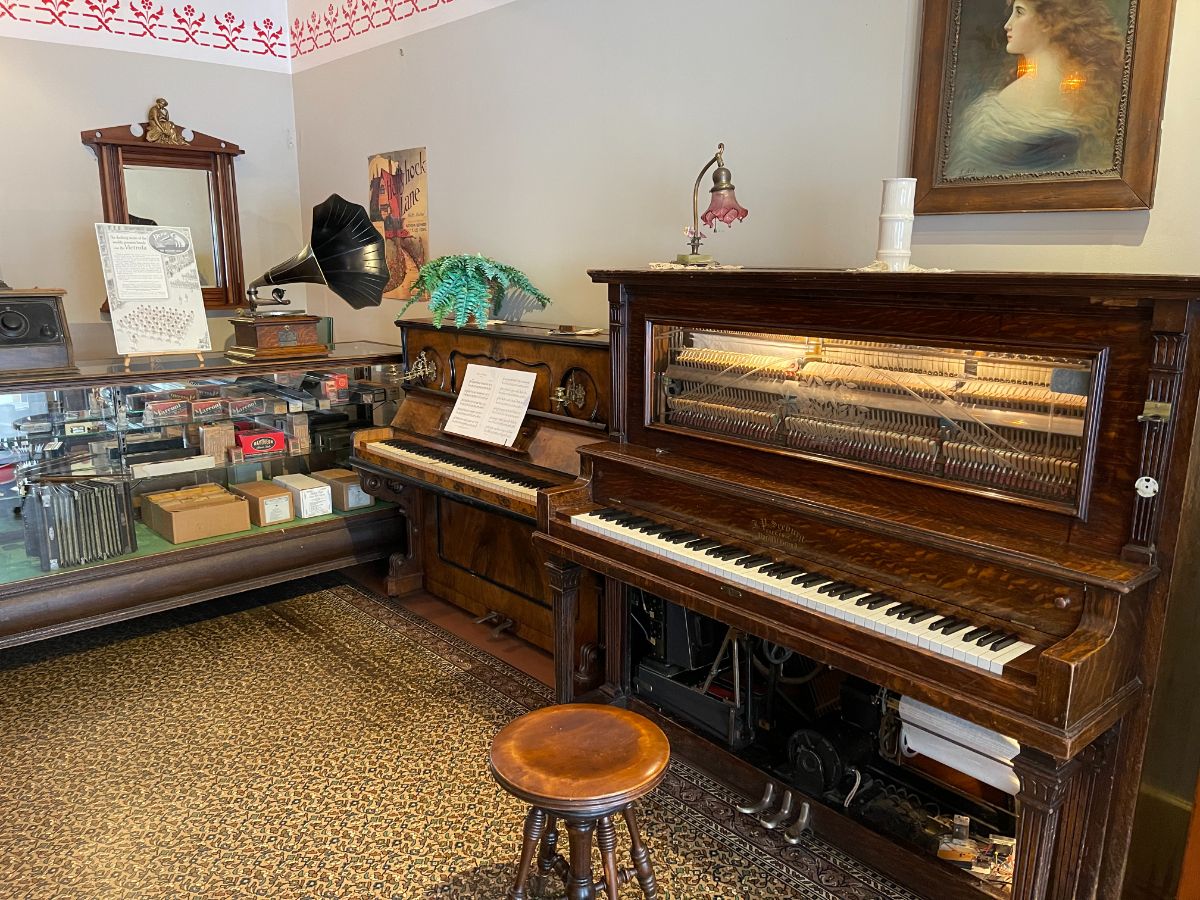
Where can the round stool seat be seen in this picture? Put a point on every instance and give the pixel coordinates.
(580, 758)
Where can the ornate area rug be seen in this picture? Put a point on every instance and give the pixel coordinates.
(311, 741)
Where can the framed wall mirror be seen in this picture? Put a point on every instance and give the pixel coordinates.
(160, 173)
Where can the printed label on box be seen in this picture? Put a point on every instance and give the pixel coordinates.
(276, 509)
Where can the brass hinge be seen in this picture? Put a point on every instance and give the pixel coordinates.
(1155, 411)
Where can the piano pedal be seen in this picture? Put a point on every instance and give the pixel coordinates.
(795, 832)
(483, 620)
(781, 815)
(768, 797)
(503, 625)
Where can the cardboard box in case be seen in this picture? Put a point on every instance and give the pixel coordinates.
(347, 489)
(206, 510)
(270, 503)
(309, 496)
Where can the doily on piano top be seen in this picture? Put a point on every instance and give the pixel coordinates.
(878, 266)
(681, 266)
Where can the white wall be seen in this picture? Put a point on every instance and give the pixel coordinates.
(49, 181)
(566, 134)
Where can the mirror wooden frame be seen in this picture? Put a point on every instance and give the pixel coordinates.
(126, 145)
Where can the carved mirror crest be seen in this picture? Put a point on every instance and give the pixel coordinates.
(160, 173)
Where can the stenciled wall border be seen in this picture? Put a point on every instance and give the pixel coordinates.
(230, 31)
(278, 35)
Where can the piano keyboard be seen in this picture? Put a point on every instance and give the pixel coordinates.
(980, 646)
(469, 471)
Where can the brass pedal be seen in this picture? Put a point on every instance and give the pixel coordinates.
(781, 815)
(795, 832)
(768, 797)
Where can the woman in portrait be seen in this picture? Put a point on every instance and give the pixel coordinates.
(1058, 110)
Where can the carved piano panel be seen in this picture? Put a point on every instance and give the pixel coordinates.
(965, 489)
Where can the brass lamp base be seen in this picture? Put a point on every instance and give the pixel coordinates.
(275, 337)
(694, 259)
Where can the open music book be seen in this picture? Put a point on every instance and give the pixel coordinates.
(491, 404)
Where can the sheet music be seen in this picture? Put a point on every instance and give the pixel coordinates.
(491, 404)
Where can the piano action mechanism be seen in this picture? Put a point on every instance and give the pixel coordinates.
(963, 488)
(469, 506)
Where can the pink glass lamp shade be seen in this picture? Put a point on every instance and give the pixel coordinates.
(723, 207)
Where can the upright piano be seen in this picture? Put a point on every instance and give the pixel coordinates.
(965, 488)
(470, 506)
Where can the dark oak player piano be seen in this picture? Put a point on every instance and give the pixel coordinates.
(471, 506)
(965, 488)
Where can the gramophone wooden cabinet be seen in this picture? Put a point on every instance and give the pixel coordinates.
(87, 427)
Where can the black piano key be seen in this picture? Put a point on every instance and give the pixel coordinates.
(900, 609)
(655, 528)
(702, 544)
(809, 579)
(881, 600)
(938, 623)
(771, 568)
(975, 632)
(955, 627)
(606, 512)
(990, 637)
(789, 572)
(634, 523)
(865, 599)
(623, 516)
(850, 593)
(1006, 641)
(922, 616)
(753, 561)
(681, 536)
(831, 587)
(726, 553)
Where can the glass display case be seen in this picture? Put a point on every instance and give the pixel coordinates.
(81, 454)
(1013, 422)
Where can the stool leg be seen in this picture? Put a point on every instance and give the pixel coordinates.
(548, 859)
(641, 857)
(534, 823)
(579, 881)
(606, 839)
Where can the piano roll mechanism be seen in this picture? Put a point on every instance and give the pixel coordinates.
(928, 520)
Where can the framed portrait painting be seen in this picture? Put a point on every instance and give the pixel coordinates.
(1039, 104)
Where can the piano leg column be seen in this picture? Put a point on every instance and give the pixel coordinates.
(1046, 783)
(564, 593)
(406, 568)
(616, 637)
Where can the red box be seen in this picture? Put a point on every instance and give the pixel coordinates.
(166, 412)
(248, 406)
(258, 443)
(208, 410)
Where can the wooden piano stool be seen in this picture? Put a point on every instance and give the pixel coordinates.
(584, 764)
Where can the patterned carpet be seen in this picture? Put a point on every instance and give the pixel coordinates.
(310, 741)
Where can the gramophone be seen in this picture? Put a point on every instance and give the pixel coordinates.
(344, 252)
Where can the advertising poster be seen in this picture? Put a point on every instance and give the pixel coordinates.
(399, 208)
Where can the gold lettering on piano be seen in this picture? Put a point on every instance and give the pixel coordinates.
(780, 531)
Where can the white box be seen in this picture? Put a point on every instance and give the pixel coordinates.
(309, 496)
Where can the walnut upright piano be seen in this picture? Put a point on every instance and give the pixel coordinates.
(999, 457)
(471, 506)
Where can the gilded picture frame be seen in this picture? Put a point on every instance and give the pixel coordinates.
(1027, 105)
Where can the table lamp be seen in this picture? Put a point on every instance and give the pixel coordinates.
(723, 207)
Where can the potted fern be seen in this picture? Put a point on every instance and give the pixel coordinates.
(468, 286)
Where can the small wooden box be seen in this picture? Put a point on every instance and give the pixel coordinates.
(276, 337)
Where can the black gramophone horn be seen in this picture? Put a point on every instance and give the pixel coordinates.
(345, 252)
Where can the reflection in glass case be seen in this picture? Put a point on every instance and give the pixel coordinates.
(77, 458)
(1011, 422)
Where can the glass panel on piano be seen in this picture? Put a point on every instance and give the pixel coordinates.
(1011, 422)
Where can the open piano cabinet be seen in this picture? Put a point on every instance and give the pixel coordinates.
(1005, 454)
